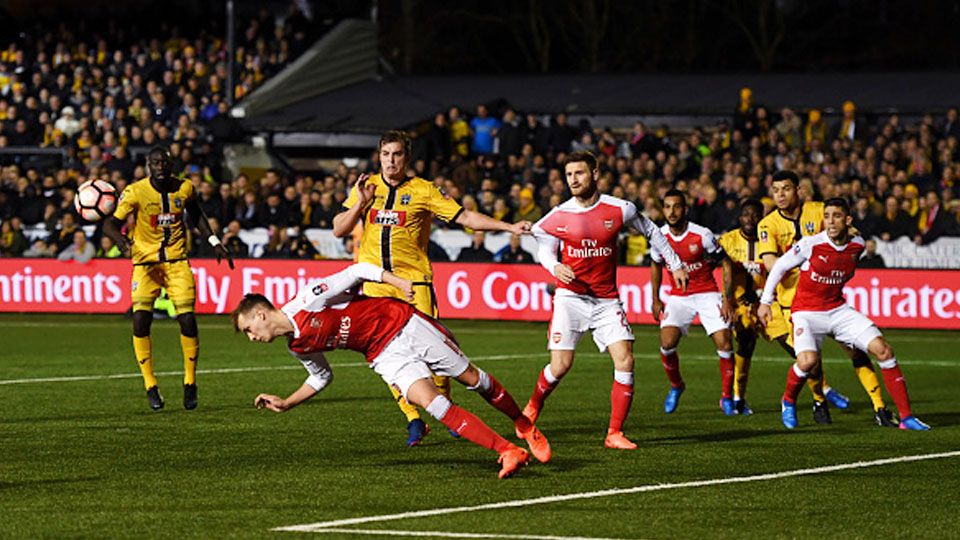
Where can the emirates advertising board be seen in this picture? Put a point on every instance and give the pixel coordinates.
(892, 298)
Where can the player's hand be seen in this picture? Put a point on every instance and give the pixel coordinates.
(406, 287)
(269, 401)
(365, 192)
(727, 310)
(657, 309)
(521, 227)
(680, 278)
(564, 273)
(124, 246)
(223, 253)
(765, 314)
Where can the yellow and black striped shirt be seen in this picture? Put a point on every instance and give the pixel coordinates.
(396, 227)
(160, 233)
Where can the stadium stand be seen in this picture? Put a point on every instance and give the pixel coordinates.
(76, 106)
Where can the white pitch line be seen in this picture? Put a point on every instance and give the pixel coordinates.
(697, 357)
(450, 534)
(311, 527)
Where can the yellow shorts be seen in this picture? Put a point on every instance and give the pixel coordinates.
(780, 324)
(175, 277)
(423, 298)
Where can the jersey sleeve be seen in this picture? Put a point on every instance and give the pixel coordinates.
(794, 257)
(352, 196)
(547, 245)
(442, 206)
(767, 238)
(329, 290)
(319, 372)
(127, 203)
(727, 242)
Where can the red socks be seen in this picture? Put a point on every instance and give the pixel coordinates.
(726, 373)
(795, 381)
(897, 388)
(543, 389)
(474, 430)
(621, 396)
(671, 365)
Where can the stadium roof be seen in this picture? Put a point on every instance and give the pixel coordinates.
(375, 105)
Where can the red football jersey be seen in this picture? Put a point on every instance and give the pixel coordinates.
(692, 247)
(587, 240)
(362, 324)
(824, 269)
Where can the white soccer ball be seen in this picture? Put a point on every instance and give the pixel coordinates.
(95, 200)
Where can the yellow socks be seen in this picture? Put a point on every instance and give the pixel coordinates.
(816, 388)
(410, 411)
(741, 372)
(443, 385)
(868, 378)
(142, 349)
(191, 351)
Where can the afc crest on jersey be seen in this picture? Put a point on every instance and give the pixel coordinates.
(694, 248)
(608, 224)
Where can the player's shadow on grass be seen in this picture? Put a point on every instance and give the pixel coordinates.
(534, 468)
(712, 436)
(943, 419)
(50, 481)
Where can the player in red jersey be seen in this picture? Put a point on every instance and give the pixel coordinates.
(700, 252)
(405, 347)
(585, 229)
(827, 261)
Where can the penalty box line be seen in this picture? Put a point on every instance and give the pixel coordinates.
(319, 526)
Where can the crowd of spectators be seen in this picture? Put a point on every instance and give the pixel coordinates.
(96, 100)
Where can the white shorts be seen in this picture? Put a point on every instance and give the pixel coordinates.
(679, 311)
(847, 325)
(419, 351)
(574, 314)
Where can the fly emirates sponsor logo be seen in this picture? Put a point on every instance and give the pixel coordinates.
(588, 248)
(836, 277)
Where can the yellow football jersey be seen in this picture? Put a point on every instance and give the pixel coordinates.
(396, 227)
(778, 233)
(749, 273)
(159, 234)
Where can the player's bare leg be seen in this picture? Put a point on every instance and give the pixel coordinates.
(621, 395)
(796, 377)
(560, 363)
(669, 339)
(490, 389)
(894, 382)
(815, 382)
(723, 339)
(424, 393)
(143, 350)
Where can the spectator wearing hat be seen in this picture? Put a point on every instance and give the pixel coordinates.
(527, 209)
(849, 128)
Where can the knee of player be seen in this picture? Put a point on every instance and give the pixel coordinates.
(883, 351)
(807, 361)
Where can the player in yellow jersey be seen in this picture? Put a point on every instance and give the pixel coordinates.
(159, 251)
(397, 211)
(742, 247)
(778, 231)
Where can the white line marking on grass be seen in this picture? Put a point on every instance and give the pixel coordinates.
(278, 367)
(312, 527)
(493, 357)
(448, 534)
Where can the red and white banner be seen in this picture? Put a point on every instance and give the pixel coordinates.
(892, 298)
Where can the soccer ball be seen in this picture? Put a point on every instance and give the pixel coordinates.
(95, 200)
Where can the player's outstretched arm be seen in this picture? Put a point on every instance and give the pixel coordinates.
(111, 228)
(278, 404)
(790, 260)
(479, 222)
(201, 222)
(405, 285)
(728, 307)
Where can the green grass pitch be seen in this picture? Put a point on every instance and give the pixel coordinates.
(85, 457)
